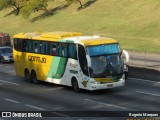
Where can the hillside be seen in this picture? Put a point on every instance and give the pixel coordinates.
(134, 23)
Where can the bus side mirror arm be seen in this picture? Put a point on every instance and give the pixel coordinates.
(88, 60)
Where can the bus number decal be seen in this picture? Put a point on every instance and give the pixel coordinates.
(37, 59)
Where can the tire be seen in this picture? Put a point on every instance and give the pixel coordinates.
(34, 77)
(126, 75)
(75, 85)
(2, 60)
(27, 76)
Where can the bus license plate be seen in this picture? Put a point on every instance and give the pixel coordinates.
(110, 85)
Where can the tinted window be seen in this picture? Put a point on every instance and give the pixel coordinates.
(62, 50)
(18, 44)
(44, 48)
(72, 51)
(103, 49)
(82, 59)
(36, 46)
(28, 46)
(53, 49)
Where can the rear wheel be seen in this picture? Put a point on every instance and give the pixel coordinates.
(28, 76)
(34, 77)
(75, 85)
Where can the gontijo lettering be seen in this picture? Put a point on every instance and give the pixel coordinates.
(37, 59)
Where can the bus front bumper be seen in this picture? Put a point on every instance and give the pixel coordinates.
(98, 86)
(8, 60)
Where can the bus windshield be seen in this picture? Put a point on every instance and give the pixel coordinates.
(106, 60)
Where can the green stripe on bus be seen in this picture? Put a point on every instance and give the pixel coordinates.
(61, 68)
(53, 67)
(67, 41)
(57, 67)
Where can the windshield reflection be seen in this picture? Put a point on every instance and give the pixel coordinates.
(106, 60)
(106, 65)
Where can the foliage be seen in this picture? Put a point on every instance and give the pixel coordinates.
(135, 24)
(33, 6)
(15, 4)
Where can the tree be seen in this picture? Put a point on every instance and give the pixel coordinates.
(76, 1)
(15, 4)
(33, 6)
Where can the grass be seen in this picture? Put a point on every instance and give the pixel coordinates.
(134, 23)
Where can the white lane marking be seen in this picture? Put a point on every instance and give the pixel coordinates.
(9, 82)
(35, 107)
(147, 93)
(144, 80)
(10, 100)
(110, 105)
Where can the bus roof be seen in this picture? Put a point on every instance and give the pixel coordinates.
(73, 37)
(48, 35)
(91, 40)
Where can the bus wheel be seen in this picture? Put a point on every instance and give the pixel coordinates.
(2, 60)
(28, 76)
(34, 77)
(75, 85)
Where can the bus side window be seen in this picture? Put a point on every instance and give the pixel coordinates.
(44, 48)
(53, 49)
(72, 51)
(28, 46)
(18, 44)
(36, 47)
(82, 59)
(24, 45)
(62, 50)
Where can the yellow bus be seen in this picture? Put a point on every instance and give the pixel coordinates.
(70, 59)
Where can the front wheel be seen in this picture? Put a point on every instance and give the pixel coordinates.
(75, 85)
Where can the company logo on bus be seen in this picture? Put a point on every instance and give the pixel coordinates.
(37, 59)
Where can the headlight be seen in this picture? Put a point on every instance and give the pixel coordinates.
(5, 57)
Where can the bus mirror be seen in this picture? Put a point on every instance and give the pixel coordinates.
(88, 60)
(126, 54)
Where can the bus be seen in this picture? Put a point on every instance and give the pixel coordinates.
(69, 59)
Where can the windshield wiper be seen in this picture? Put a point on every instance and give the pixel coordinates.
(111, 67)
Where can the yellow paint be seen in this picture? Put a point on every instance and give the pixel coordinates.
(97, 41)
(105, 80)
(22, 62)
(50, 36)
(58, 35)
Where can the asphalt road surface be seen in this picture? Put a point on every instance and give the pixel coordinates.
(18, 95)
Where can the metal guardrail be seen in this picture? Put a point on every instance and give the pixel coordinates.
(144, 60)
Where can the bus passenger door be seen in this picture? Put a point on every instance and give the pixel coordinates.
(83, 66)
(82, 60)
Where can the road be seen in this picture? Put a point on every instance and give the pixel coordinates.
(18, 95)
